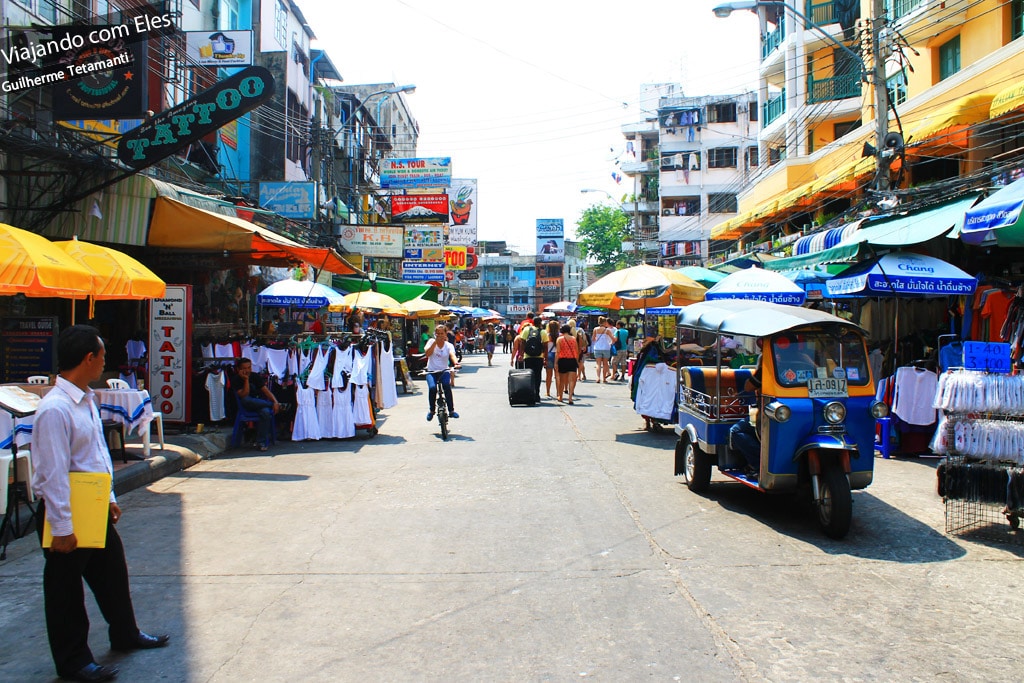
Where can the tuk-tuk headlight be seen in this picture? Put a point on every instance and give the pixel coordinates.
(879, 410)
(779, 412)
(835, 412)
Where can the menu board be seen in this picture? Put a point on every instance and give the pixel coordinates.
(28, 346)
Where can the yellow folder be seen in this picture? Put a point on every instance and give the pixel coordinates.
(90, 506)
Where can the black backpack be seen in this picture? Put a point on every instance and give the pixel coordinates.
(533, 347)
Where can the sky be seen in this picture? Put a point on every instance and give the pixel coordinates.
(529, 97)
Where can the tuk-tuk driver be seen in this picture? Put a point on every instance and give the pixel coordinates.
(743, 435)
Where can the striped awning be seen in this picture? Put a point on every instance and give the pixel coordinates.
(1008, 100)
(826, 239)
(948, 125)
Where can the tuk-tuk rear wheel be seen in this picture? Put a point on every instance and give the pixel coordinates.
(835, 509)
(697, 467)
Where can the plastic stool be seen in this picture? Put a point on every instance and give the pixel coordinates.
(882, 436)
(114, 427)
(158, 418)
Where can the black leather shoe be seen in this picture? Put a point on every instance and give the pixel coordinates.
(92, 672)
(143, 641)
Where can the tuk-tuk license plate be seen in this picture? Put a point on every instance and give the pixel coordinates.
(826, 387)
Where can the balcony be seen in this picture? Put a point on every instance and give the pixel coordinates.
(897, 9)
(823, 13)
(772, 40)
(934, 15)
(774, 108)
(832, 88)
(643, 128)
(635, 167)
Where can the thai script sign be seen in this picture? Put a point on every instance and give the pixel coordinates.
(383, 241)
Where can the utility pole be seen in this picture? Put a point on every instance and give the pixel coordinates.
(883, 154)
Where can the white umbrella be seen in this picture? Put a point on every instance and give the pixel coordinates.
(902, 274)
(562, 307)
(759, 285)
(298, 294)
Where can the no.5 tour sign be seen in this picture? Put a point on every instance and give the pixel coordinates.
(176, 128)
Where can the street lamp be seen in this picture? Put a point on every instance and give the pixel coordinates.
(881, 97)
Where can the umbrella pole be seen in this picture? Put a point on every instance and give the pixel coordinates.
(72, 311)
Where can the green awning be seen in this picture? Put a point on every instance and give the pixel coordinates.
(838, 254)
(915, 228)
(400, 291)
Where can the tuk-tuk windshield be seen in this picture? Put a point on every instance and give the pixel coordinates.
(799, 357)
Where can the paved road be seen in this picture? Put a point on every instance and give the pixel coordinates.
(539, 544)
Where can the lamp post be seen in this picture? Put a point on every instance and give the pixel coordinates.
(881, 96)
(635, 232)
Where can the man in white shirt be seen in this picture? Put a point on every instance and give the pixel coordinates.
(67, 436)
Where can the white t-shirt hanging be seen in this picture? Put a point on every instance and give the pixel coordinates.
(215, 383)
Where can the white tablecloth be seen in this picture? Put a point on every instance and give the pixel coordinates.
(132, 408)
(18, 429)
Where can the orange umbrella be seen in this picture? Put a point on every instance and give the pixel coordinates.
(32, 265)
(115, 275)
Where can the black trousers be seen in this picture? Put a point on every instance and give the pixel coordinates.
(67, 622)
(535, 365)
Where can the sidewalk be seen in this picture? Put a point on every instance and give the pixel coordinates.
(181, 451)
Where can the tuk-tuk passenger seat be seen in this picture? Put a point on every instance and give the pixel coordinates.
(701, 387)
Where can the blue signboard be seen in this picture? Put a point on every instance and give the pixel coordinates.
(289, 199)
(990, 356)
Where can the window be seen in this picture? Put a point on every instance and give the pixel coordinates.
(775, 155)
(1016, 19)
(752, 157)
(681, 161)
(722, 203)
(949, 58)
(752, 106)
(841, 129)
(687, 206)
(897, 86)
(722, 113)
(281, 23)
(47, 9)
(722, 157)
(229, 15)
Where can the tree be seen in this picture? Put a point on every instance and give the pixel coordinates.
(601, 230)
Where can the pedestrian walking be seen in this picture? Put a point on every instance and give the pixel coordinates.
(621, 346)
(601, 346)
(68, 437)
(529, 345)
(489, 343)
(549, 337)
(506, 338)
(567, 360)
(582, 344)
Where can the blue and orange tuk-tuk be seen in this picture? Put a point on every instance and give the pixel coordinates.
(814, 417)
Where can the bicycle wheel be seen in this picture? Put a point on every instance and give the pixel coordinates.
(442, 419)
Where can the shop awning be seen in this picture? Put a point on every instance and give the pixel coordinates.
(915, 228)
(1008, 100)
(179, 226)
(399, 291)
(949, 124)
(837, 254)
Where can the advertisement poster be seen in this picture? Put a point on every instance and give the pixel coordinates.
(422, 271)
(550, 227)
(28, 346)
(549, 283)
(398, 174)
(462, 203)
(289, 199)
(424, 236)
(419, 208)
(170, 351)
(220, 48)
(384, 241)
(550, 249)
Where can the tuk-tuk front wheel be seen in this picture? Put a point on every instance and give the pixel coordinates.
(835, 506)
(696, 466)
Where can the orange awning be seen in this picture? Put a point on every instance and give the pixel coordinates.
(179, 226)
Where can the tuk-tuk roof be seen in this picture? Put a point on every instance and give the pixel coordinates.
(753, 318)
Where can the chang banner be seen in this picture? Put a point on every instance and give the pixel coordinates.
(396, 174)
(384, 241)
(462, 202)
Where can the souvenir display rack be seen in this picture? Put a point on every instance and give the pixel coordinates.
(981, 433)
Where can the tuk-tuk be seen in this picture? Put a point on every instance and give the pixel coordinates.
(814, 418)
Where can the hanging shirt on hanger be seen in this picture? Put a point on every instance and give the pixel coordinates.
(215, 382)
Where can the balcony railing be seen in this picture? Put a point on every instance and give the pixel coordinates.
(774, 108)
(822, 13)
(832, 88)
(771, 41)
(897, 9)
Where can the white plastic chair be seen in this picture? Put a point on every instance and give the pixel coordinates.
(158, 418)
(115, 383)
(5, 475)
(23, 464)
(38, 379)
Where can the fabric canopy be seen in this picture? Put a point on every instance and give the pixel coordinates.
(902, 274)
(758, 285)
(179, 226)
(997, 216)
(917, 227)
(298, 294)
(115, 275)
(753, 318)
(32, 265)
(1008, 100)
(400, 291)
(640, 287)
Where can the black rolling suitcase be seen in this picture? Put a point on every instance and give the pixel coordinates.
(520, 388)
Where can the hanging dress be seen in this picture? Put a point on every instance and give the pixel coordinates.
(361, 412)
(389, 393)
(319, 369)
(344, 424)
(307, 424)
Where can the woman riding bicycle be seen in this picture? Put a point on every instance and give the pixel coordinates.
(440, 353)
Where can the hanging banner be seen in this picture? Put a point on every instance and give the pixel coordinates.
(380, 240)
(221, 48)
(422, 271)
(455, 258)
(170, 352)
(289, 199)
(462, 200)
(419, 208)
(550, 227)
(409, 173)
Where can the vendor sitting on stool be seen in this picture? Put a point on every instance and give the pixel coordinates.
(743, 436)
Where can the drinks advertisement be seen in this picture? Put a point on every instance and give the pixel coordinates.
(462, 200)
(550, 240)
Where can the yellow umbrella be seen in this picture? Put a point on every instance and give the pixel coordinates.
(641, 287)
(115, 275)
(421, 308)
(32, 265)
(368, 301)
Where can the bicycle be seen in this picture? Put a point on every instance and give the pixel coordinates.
(440, 404)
